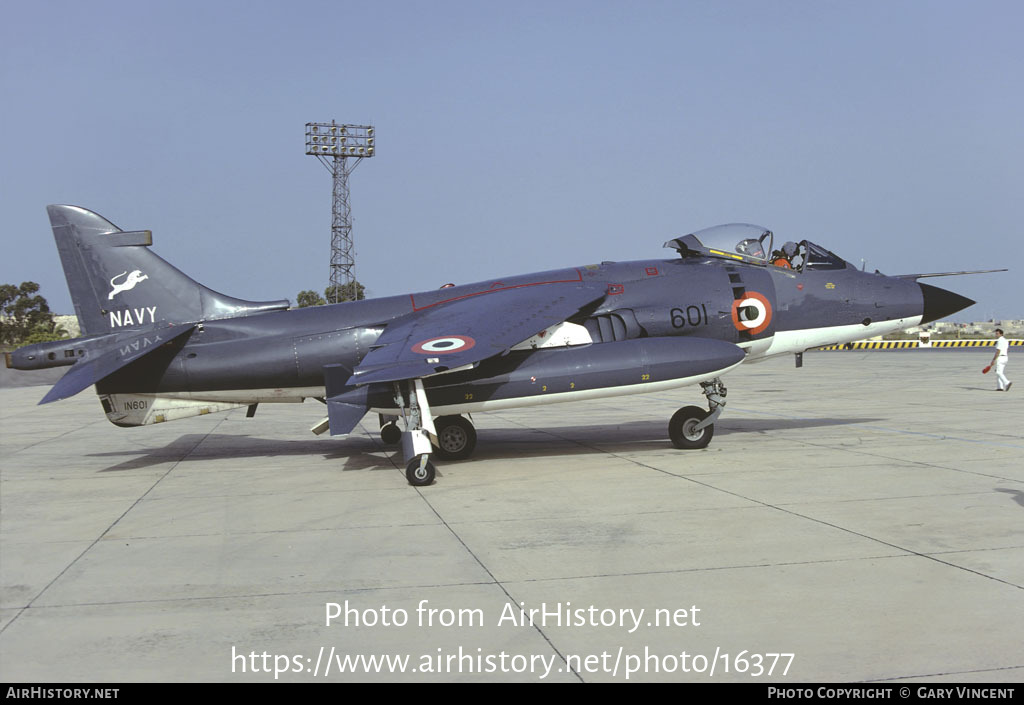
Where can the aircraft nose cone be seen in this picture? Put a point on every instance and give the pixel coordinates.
(939, 303)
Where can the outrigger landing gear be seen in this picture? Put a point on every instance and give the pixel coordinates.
(691, 427)
(419, 427)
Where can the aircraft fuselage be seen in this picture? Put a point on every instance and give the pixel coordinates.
(281, 355)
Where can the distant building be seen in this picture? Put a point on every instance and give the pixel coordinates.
(1013, 328)
(70, 324)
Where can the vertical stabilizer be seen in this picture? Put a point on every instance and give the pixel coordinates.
(117, 283)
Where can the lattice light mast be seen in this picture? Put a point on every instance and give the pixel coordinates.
(334, 145)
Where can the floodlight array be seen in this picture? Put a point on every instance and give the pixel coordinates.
(332, 140)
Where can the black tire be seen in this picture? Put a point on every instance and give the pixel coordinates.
(420, 476)
(390, 434)
(680, 428)
(456, 437)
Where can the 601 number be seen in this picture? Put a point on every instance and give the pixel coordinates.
(691, 315)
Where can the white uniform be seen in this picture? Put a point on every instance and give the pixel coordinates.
(1002, 355)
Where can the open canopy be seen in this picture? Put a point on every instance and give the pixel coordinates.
(739, 241)
(754, 244)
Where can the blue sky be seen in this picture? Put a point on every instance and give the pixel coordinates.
(515, 137)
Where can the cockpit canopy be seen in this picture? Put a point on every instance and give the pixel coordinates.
(739, 241)
(753, 244)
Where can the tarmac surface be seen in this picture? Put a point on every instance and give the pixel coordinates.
(861, 516)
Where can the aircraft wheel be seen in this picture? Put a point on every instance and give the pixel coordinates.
(420, 474)
(456, 437)
(682, 433)
(390, 434)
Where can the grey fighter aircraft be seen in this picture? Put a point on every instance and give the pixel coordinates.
(160, 346)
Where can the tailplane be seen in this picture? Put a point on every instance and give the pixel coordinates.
(117, 283)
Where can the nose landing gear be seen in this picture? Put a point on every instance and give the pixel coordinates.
(691, 427)
(683, 431)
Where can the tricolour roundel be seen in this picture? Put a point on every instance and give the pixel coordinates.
(444, 344)
(752, 312)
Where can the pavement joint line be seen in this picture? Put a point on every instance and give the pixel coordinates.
(378, 444)
(910, 551)
(269, 532)
(296, 493)
(942, 437)
(48, 439)
(921, 463)
(501, 586)
(977, 550)
(247, 596)
(941, 674)
(714, 569)
(107, 530)
(794, 513)
(470, 551)
(883, 499)
(626, 574)
(652, 512)
(140, 537)
(878, 540)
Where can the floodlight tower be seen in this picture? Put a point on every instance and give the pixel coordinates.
(334, 145)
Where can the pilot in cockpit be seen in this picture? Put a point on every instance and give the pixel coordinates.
(784, 257)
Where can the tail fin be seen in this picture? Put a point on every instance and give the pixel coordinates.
(118, 284)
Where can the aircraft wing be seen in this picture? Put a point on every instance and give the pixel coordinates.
(947, 274)
(122, 351)
(456, 333)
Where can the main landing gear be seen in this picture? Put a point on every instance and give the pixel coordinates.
(453, 436)
(456, 437)
(691, 427)
(390, 434)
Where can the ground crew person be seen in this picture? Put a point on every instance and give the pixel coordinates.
(999, 360)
